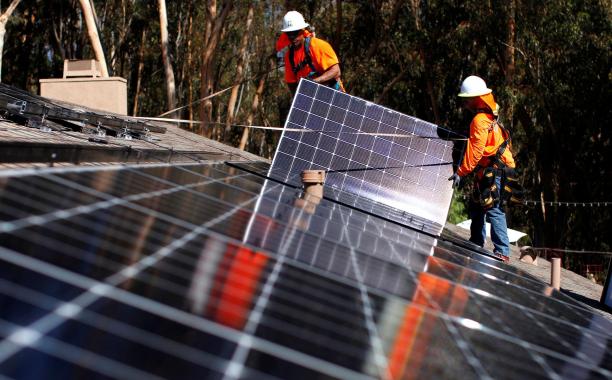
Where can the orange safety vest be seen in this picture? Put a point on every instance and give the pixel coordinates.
(486, 136)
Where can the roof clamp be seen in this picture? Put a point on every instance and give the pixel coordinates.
(45, 128)
(43, 123)
(147, 136)
(99, 131)
(17, 106)
(38, 123)
(125, 134)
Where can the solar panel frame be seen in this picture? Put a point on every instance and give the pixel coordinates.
(368, 150)
(606, 294)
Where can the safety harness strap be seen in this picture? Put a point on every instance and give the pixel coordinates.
(496, 160)
(307, 59)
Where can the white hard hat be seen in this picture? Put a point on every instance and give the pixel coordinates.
(473, 86)
(293, 21)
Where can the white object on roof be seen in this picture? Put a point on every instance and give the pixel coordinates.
(513, 235)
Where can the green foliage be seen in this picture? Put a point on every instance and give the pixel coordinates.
(458, 210)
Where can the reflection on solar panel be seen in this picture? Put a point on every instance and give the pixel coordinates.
(202, 271)
(348, 199)
(368, 150)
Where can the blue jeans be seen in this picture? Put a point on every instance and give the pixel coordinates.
(499, 230)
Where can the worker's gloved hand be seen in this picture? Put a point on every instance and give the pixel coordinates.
(456, 179)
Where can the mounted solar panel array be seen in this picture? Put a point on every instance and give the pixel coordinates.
(41, 112)
(211, 271)
(370, 151)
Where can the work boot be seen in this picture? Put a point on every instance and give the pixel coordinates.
(502, 257)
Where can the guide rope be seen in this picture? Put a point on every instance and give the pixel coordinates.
(302, 130)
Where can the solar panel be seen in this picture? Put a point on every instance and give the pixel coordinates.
(209, 271)
(606, 295)
(368, 150)
(346, 198)
(41, 112)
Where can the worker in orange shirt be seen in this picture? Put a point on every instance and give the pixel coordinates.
(487, 155)
(308, 56)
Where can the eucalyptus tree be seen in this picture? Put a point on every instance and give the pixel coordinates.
(3, 20)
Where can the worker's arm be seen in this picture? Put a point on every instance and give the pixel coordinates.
(479, 130)
(332, 72)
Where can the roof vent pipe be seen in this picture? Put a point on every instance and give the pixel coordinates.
(313, 183)
(555, 273)
(313, 192)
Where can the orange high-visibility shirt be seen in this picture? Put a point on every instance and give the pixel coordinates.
(482, 145)
(282, 42)
(322, 55)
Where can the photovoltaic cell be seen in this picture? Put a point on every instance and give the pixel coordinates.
(368, 150)
(349, 199)
(211, 271)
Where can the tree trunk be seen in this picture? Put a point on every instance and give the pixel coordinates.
(58, 34)
(423, 54)
(254, 106)
(139, 72)
(510, 25)
(124, 32)
(189, 64)
(510, 64)
(430, 86)
(239, 71)
(93, 36)
(338, 36)
(182, 39)
(3, 20)
(214, 27)
(170, 85)
(385, 25)
(390, 85)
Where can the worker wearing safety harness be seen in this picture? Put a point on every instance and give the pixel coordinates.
(308, 56)
(487, 155)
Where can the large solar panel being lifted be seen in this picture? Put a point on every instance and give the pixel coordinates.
(207, 271)
(361, 203)
(368, 150)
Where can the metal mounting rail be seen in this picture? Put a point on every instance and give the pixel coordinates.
(22, 103)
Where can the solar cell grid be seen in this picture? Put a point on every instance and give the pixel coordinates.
(408, 241)
(362, 203)
(204, 292)
(345, 135)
